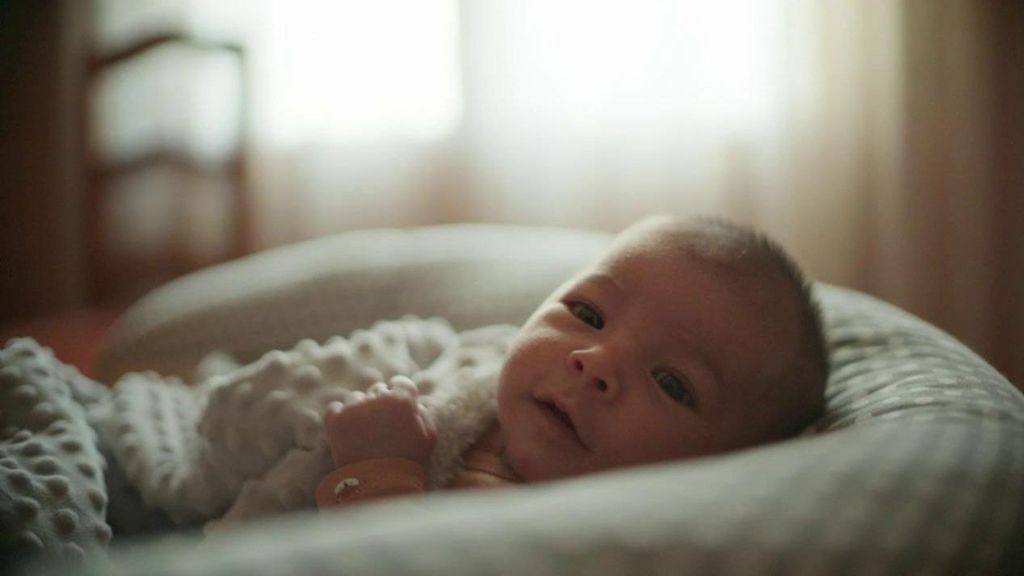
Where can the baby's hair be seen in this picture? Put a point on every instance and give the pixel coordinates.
(741, 251)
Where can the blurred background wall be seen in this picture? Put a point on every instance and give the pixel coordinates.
(880, 141)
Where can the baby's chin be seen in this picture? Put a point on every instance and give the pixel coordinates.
(529, 470)
(535, 468)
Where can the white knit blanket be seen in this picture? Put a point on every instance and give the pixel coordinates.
(249, 442)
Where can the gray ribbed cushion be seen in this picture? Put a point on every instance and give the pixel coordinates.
(916, 468)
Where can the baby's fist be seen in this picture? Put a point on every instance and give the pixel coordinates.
(384, 422)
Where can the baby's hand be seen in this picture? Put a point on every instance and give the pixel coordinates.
(384, 422)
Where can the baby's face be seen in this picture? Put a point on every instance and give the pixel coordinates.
(641, 358)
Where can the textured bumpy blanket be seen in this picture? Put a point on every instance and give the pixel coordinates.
(245, 441)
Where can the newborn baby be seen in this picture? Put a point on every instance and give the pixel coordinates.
(686, 338)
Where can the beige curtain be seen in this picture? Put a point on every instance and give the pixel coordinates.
(878, 140)
(908, 169)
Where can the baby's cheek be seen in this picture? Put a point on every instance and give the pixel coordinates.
(506, 386)
(517, 364)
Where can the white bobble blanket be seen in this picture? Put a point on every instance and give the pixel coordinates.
(248, 441)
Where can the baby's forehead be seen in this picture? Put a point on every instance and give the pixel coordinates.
(682, 256)
(725, 256)
(700, 261)
(658, 263)
(705, 242)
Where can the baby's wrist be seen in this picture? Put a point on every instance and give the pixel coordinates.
(356, 459)
(369, 479)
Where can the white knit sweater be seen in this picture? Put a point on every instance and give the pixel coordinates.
(250, 442)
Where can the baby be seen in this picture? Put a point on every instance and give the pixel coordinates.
(686, 338)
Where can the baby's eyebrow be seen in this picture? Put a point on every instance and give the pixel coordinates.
(607, 282)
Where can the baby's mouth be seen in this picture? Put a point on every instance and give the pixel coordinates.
(564, 418)
(561, 415)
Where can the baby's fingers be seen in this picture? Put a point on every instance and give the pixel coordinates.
(377, 389)
(404, 385)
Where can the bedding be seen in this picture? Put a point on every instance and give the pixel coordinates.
(52, 491)
(917, 466)
(238, 445)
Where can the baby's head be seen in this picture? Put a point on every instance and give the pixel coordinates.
(685, 338)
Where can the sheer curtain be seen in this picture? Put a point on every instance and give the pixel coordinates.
(570, 112)
(861, 134)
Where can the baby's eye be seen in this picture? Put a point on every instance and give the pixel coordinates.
(674, 385)
(586, 313)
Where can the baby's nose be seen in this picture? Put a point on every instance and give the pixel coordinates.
(592, 368)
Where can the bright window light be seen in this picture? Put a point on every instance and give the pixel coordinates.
(636, 63)
(349, 70)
